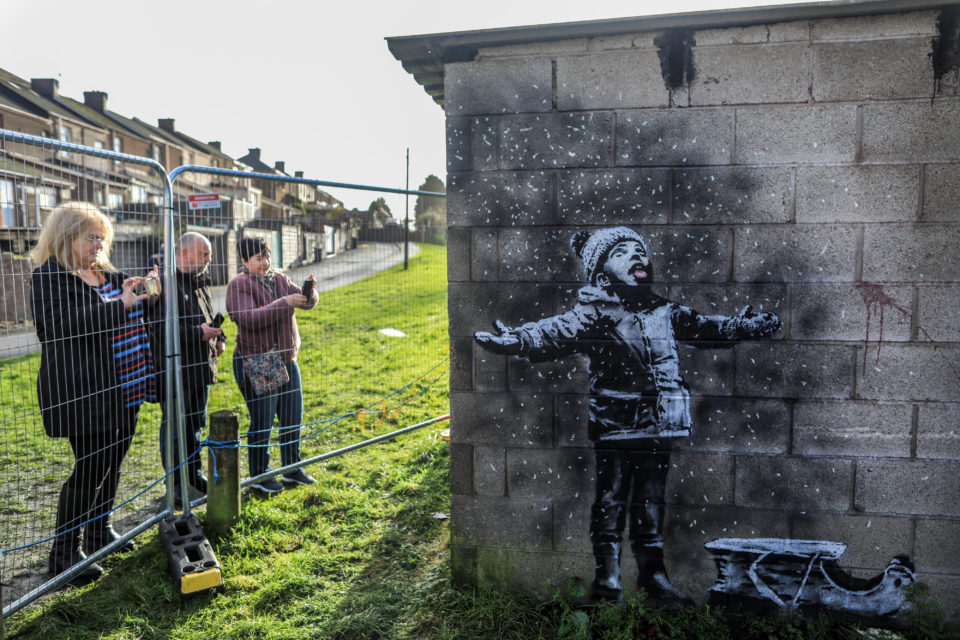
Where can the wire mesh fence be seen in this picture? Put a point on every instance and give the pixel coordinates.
(375, 299)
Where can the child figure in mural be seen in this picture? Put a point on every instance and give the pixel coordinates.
(638, 400)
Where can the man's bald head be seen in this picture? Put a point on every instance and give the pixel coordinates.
(193, 253)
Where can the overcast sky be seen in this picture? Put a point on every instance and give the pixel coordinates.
(310, 83)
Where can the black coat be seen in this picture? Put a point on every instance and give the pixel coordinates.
(198, 357)
(77, 382)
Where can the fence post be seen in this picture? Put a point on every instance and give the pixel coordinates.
(223, 490)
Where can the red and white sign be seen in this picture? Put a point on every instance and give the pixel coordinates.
(204, 201)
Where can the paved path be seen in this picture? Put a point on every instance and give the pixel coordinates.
(340, 270)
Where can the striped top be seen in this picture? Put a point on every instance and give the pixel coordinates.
(131, 352)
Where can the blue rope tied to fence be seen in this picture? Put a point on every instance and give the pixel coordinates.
(214, 444)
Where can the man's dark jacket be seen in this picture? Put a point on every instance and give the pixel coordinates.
(198, 357)
(77, 382)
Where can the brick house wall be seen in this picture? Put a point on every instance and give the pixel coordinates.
(787, 166)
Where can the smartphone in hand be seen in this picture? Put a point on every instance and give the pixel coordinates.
(307, 287)
(217, 321)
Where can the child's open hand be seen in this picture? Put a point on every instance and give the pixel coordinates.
(505, 341)
(757, 325)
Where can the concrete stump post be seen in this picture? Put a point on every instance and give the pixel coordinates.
(223, 489)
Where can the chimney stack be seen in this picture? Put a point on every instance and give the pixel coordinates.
(96, 100)
(166, 124)
(47, 87)
(254, 153)
(298, 174)
(279, 166)
(215, 144)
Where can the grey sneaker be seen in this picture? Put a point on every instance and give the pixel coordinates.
(268, 485)
(297, 476)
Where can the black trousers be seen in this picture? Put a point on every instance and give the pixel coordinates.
(194, 420)
(89, 492)
(630, 483)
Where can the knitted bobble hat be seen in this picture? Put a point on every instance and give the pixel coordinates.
(591, 248)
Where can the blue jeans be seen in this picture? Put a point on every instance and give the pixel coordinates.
(285, 404)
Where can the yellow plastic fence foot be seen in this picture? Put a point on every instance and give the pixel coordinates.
(193, 565)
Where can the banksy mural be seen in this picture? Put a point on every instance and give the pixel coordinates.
(640, 406)
(638, 400)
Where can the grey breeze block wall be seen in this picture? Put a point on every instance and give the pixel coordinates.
(791, 164)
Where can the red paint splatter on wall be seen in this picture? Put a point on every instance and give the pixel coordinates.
(874, 297)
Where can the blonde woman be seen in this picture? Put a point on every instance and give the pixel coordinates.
(95, 370)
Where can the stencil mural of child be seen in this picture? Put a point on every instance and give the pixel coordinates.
(638, 400)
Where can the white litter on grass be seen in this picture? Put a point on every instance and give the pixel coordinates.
(393, 333)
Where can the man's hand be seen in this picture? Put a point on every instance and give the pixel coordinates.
(504, 341)
(221, 347)
(757, 325)
(296, 300)
(209, 333)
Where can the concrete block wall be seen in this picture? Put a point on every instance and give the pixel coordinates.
(807, 168)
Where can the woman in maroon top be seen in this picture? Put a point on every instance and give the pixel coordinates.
(261, 302)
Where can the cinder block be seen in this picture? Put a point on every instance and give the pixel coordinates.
(911, 131)
(910, 253)
(699, 479)
(461, 364)
(538, 255)
(938, 546)
(738, 425)
(614, 197)
(789, 370)
(863, 193)
(547, 474)
(938, 308)
(540, 574)
(816, 134)
(458, 255)
(571, 525)
(489, 369)
(628, 41)
(498, 86)
(461, 469)
(489, 471)
(531, 49)
(683, 255)
(789, 31)
(732, 195)
(907, 372)
(611, 80)
(939, 431)
(872, 541)
(779, 32)
(458, 144)
(708, 372)
(572, 417)
(795, 253)
(751, 74)
(941, 193)
(730, 299)
(476, 306)
(674, 137)
(501, 199)
(852, 429)
(509, 522)
(484, 255)
(876, 26)
(847, 312)
(567, 375)
(484, 143)
(945, 591)
(507, 419)
(872, 70)
(794, 483)
(556, 141)
(922, 487)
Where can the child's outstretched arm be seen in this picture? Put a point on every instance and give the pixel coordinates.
(505, 341)
(746, 325)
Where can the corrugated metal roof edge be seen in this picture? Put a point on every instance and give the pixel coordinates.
(424, 55)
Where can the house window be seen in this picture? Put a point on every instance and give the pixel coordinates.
(98, 144)
(117, 144)
(114, 200)
(7, 208)
(156, 152)
(138, 194)
(66, 134)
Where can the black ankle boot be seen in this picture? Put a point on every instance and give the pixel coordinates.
(652, 578)
(66, 553)
(97, 536)
(606, 581)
